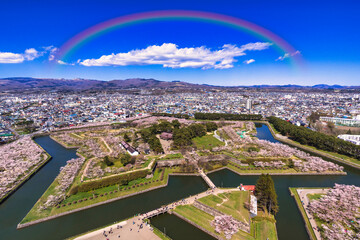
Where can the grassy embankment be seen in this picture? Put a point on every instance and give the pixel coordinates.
(232, 204)
(335, 156)
(171, 156)
(251, 169)
(157, 232)
(77, 200)
(64, 144)
(309, 229)
(207, 142)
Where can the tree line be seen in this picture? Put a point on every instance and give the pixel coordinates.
(227, 116)
(316, 139)
(183, 136)
(266, 194)
(176, 115)
(149, 134)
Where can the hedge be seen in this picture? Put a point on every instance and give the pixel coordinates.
(227, 116)
(116, 179)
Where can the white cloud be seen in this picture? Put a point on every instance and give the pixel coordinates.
(65, 63)
(28, 55)
(31, 53)
(52, 51)
(171, 56)
(249, 61)
(8, 57)
(287, 55)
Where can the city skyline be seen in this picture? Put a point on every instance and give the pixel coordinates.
(190, 49)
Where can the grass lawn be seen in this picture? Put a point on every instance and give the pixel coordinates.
(314, 196)
(172, 156)
(159, 233)
(265, 230)
(231, 203)
(102, 194)
(261, 229)
(207, 142)
(196, 216)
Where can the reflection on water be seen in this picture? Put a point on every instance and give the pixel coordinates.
(289, 222)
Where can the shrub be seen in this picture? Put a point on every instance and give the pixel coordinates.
(116, 179)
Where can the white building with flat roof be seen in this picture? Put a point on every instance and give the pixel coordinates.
(253, 206)
(355, 139)
(342, 121)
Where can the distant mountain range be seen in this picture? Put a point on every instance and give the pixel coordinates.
(22, 84)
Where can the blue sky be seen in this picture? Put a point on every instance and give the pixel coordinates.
(325, 32)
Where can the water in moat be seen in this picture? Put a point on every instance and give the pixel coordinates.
(289, 221)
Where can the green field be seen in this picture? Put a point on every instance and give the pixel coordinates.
(314, 196)
(230, 203)
(262, 227)
(265, 230)
(207, 142)
(196, 216)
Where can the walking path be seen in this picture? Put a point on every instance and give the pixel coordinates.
(305, 202)
(86, 169)
(131, 229)
(185, 201)
(106, 145)
(219, 138)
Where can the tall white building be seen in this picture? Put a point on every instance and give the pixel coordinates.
(248, 104)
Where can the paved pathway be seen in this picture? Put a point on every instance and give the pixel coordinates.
(305, 201)
(185, 201)
(130, 230)
(86, 169)
(106, 145)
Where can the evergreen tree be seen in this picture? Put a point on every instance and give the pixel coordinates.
(211, 126)
(266, 194)
(108, 162)
(176, 123)
(165, 126)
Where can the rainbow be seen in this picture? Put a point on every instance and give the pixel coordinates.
(81, 38)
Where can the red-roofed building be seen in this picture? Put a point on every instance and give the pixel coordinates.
(247, 188)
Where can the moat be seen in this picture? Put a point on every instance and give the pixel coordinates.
(289, 221)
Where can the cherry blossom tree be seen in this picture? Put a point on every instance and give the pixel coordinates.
(339, 209)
